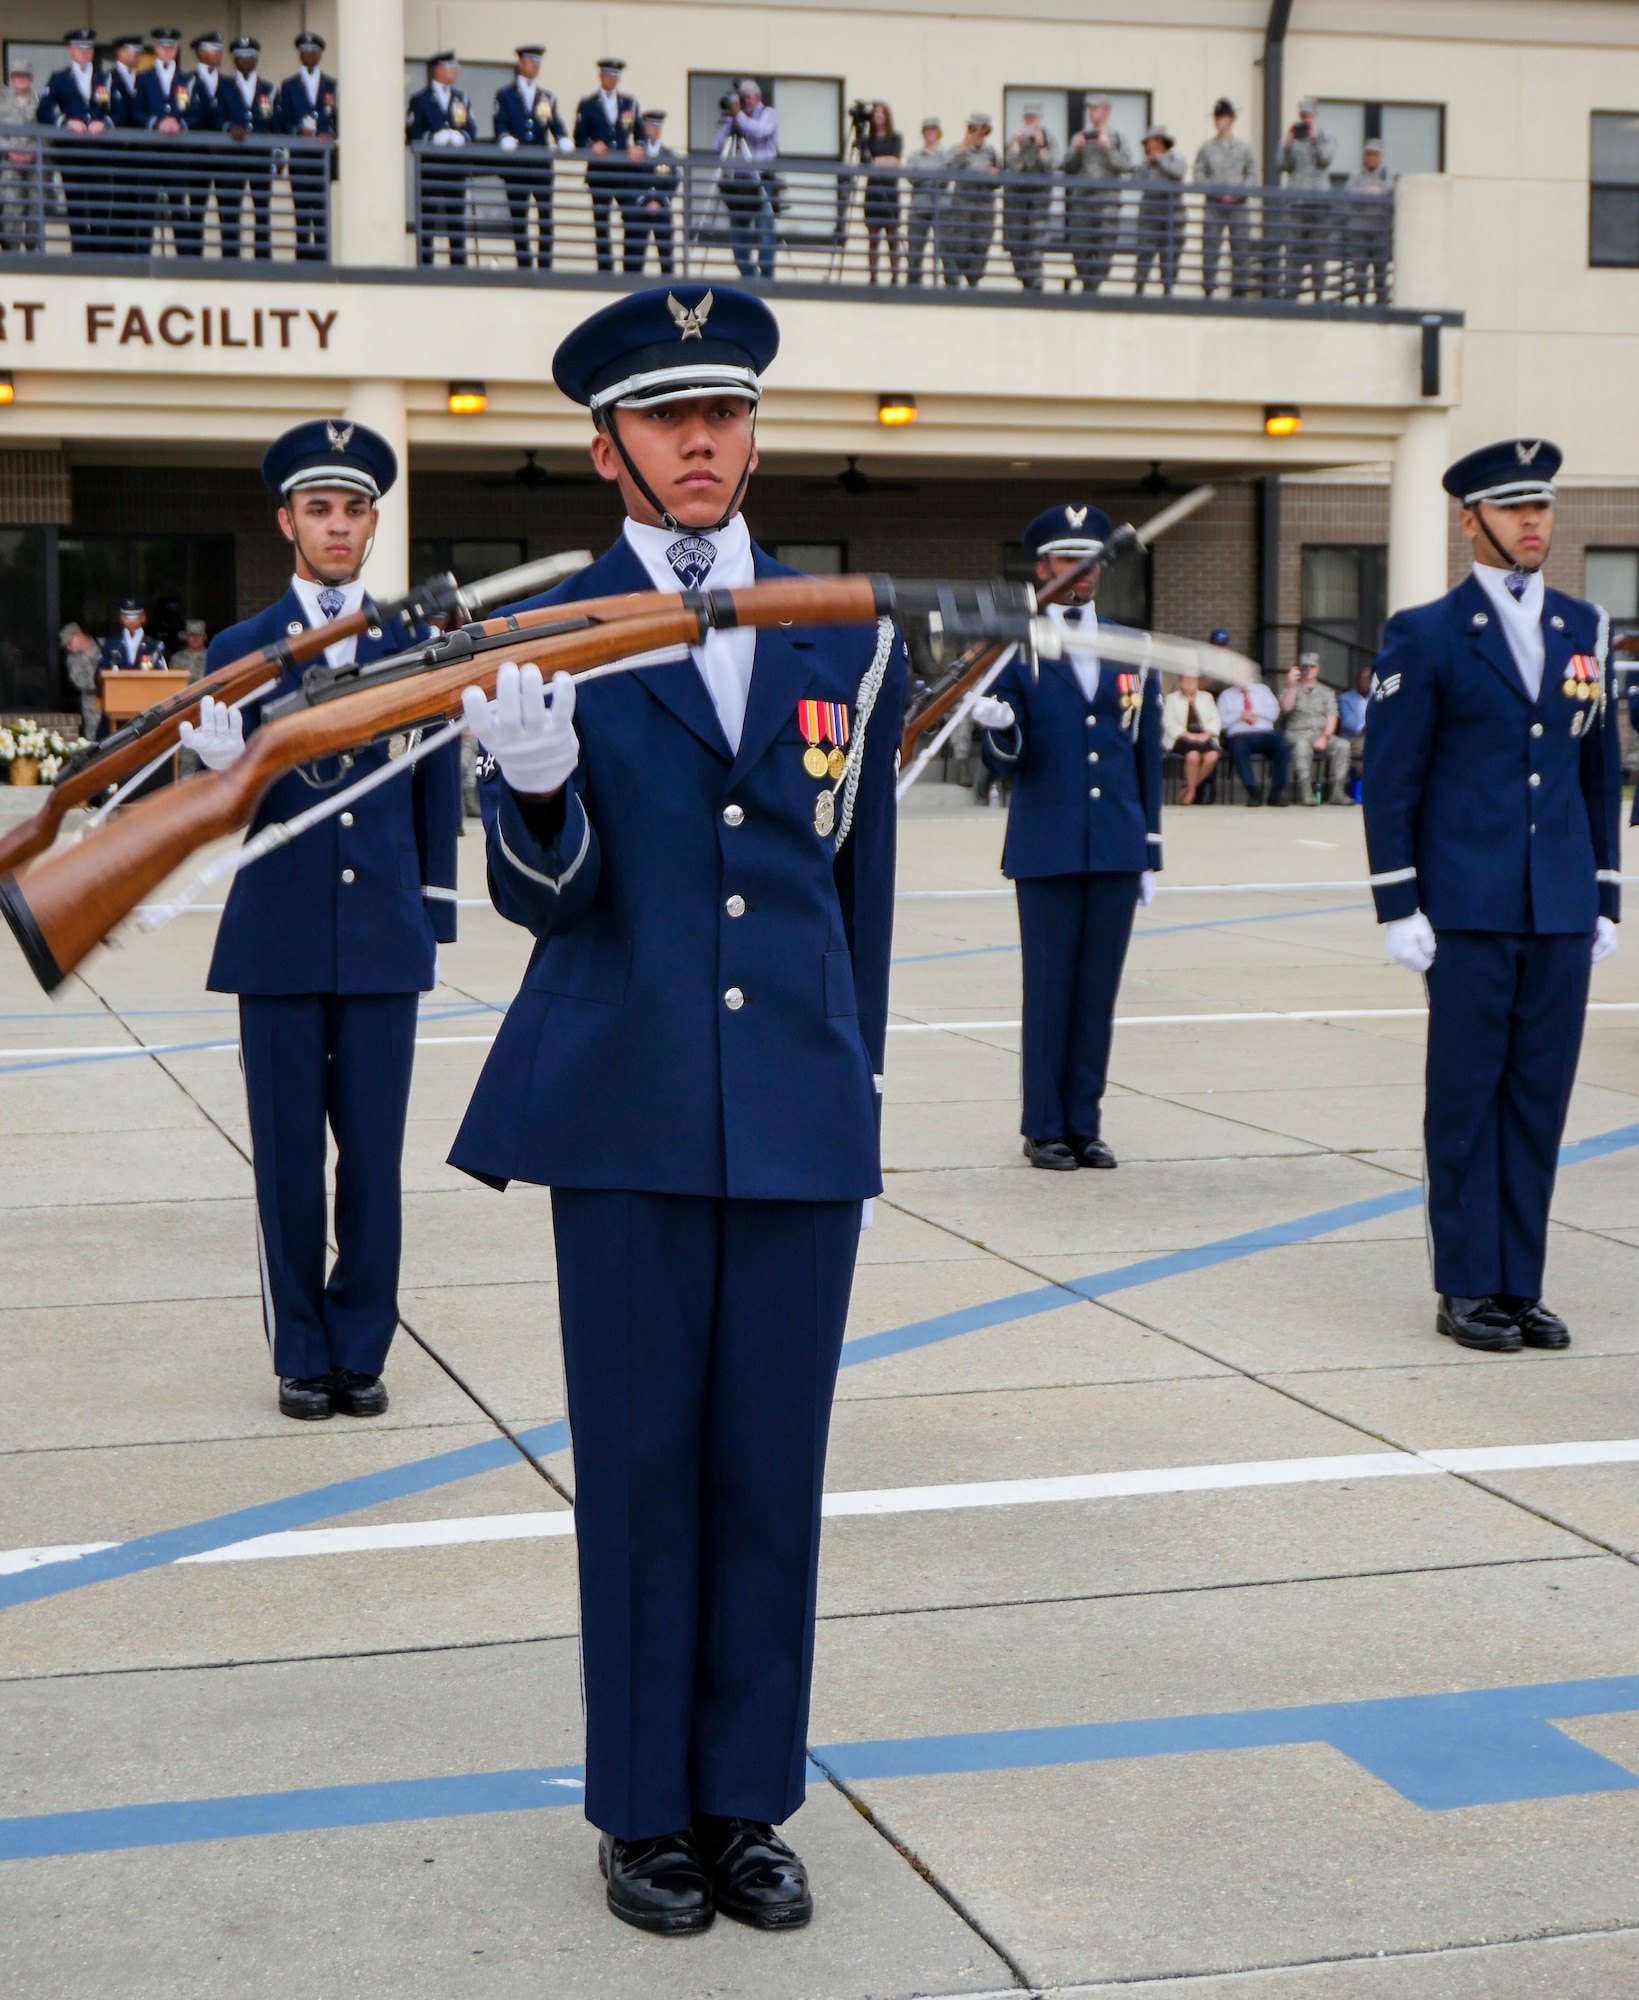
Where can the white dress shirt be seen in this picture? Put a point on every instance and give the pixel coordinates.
(610, 100)
(344, 651)
(1232, 709)
(725, 660)
(1521, 621)
(209, 78)
(310, 83)
(166, 72)
(1080, 646)
(82, 76)
(132, 642)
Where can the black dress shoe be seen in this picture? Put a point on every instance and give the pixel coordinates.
(1281, 796)
(357, 1395)
(305, 1396)
(1483, 1323)
(755, 1878)
(659, 1885)
(1050, 1153)
(1538, 1325)
(1093, 1153)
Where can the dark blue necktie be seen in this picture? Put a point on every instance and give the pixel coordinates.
(1515, 582)
(330, 603)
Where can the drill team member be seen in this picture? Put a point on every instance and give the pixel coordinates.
(1493, 793)
(1082, 743)
(306, 109)
(691, 1068)
(328, 942)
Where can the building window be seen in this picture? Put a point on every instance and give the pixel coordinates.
(1064, 113)
(1613, 195)
(813, 558)
(1413, 136)
(468, 561)
(29, 674)
(1345, 598)
(1612, 579)
(809, 110)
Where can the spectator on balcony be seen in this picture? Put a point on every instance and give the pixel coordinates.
(1310, 708)
(129, 200)
(442, 116)
(19, 110)
(76, 102)
(649, 212)
(163, 92)
(1190, 729)
(306, 109)
(928, 170)
(247, 103)
(975, 169)
(1160, 210)
(606, 126)
(1027, 200)
(1226, 167)
(882, 148)
(1368, 228)
(527, 121)
(1099, 160)
(748, 142)
(1305, 159)
(1249, 718)
(198, 163)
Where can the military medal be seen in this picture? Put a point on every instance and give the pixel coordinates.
(822, 722)
(825, 813)
(836, 764)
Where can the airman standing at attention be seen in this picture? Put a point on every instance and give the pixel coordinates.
(527, 120)
(1492, 791)
(442, 115)
(306, 109)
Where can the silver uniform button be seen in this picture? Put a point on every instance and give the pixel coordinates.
(1092, 722)
(375, 631)
(347, 875)
(1535, 778)
(734, 999)
(294, 627)
(1095, 793)
(347, 818)
(1558, 623)
(1536, 728)
(733, 816)
(1481, 619)
(1092, 756)
(736, 906)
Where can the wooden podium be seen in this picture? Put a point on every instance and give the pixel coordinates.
(126, 694)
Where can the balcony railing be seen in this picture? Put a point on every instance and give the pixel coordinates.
(147, 194)
(817, 222)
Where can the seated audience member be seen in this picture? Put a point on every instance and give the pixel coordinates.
(1189, 726)
(1352, 707)
(1310, 708)
(1249, 717)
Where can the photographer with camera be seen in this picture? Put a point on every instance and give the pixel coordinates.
(1305, 156)
(1027, 200)
(748, 145)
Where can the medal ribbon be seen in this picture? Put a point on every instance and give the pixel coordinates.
(812, 720)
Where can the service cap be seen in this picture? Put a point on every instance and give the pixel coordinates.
(663, 345)
(442, 56)
(1505, 474)
(1309, 660)
(245, 45)
(653, 117)
(535, 49)
(614, 64)
(209, 40)
(132, 607)
(73, 36)
(330, 452)
(129, 41)
(1068, 531)
(173, 35)
(308, 40)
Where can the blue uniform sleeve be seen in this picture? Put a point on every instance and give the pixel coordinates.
(1601, 775)
(1004, 753)
(1149, 768)
(864, 870)
(1398, 744)
(543, 863)
(436, 802)
(48, 111)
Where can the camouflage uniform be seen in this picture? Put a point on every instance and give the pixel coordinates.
(928, 170)
(970, 213)
(18, 222)
(1226, 167)
(1304, 163)
(1161, 219)
(1027, 203)
(1368, 236)
(1312, 708)
(1092, 207)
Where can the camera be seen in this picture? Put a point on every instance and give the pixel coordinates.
(728, 103)
(859, 118)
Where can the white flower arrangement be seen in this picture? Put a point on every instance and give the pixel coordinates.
(8, 745)
(48, 748)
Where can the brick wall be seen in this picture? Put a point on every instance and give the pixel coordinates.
(35, 490)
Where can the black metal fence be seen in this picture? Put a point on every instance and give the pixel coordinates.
(817, 222)
(148, 194)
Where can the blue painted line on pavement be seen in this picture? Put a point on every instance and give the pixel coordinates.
(271, 1517)
(1483, 1746)
(1149, 931)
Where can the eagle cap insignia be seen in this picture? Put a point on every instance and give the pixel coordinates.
(340, 435)
(1524, 452)
(1075, 516)
(691, 320)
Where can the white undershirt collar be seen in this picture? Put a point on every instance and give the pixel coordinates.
(1521, 621)
(676, 559)
(1080, 646)
(344, 651)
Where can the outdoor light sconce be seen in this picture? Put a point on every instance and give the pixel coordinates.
(896, 411)
(8, 390)
(467, 399)
(1282, 420)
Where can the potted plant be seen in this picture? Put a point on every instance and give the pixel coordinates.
(32, 753)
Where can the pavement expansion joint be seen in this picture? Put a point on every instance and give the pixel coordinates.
(426, 1649)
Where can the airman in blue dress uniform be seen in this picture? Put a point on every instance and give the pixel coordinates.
(248, 104)
(1082, 743)
(328, 942)
(442, 115)
(78, 100)
(1493, 792)
(692, 1067)
(527, 120)
(130, 649)
(306, 109)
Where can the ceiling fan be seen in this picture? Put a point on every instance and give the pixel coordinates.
(856, 482)
(532, 476)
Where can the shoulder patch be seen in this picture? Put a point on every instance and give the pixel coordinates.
(1384, 685)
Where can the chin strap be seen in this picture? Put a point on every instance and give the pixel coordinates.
(611, 430)
(1513, 562)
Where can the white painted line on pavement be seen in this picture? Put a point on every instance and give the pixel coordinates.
(1211, 1020)
(462, 1529)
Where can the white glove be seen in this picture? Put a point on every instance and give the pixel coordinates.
(1146, 888)
(1604, 939)
(1410, 942)
(218, 738)
(508, 144)
(449, 137)
(989, 713)
(533, 742)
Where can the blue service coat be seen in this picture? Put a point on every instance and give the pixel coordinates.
(239, 112)
(292, 923)
(291, 106)
(149, 654)
(1086, 775)
(63, 99)
(1485, 810)
(621, 1064)
(154, 101)
(592, 122)
(427, 116)
(205, 107)
(544, 128)
(124, 106)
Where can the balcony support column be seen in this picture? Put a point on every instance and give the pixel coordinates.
(370, 191)
(1418, 510)
(380, 404)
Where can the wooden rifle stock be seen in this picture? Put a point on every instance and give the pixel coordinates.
(61, 907)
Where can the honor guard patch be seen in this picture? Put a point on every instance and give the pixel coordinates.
(691, 558)
(487, 766)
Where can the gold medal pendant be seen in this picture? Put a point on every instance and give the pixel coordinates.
(1570, 690)
(814, 761)
(835, 764)
(825, 814)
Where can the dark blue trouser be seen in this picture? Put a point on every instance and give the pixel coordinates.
(1504, 1031)
(1074, 931)
(1243, 745)
(700, 1342)
(345, 1060)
